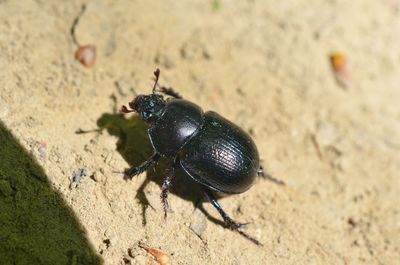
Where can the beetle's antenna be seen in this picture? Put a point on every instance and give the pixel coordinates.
(157, 75)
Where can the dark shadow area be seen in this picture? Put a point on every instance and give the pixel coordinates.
(36, 226)
(135, 147)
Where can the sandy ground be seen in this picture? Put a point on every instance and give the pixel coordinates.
(262, 64)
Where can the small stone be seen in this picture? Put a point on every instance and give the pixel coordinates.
(42, 149)
(95, 177)
(38, 149)
(77, 176)
(86, 55)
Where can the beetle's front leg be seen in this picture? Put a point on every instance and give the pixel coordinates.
(233, 225)
(134, 171)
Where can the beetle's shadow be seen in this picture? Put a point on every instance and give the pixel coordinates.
(134, 146)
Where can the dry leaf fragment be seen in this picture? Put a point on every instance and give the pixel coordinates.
(160, 256)
(340, 62)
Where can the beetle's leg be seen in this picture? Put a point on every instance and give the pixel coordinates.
(261, 173)
(169, 91)
(165, 189)
(134, 171)
(228, 221)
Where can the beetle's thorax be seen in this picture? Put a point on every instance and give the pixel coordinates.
(179, 122)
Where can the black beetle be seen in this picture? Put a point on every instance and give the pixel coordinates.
(210, 149)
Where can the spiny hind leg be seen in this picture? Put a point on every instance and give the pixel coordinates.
(231, 224)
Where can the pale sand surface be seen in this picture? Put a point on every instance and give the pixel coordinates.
(262, 64)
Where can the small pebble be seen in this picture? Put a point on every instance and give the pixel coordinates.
(340, 66)
(86, 55)
(77, 176)
(42, 149)
(38, 149)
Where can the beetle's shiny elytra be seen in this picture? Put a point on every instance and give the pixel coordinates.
(213, 151)
(221, 156)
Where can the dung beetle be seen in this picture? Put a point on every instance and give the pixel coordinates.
(213, 151)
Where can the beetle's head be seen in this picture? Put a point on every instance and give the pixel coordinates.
(149, 107)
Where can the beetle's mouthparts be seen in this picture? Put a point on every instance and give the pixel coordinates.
(131, 104)
(124, 109)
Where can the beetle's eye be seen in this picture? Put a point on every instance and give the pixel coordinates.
(145, 115)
